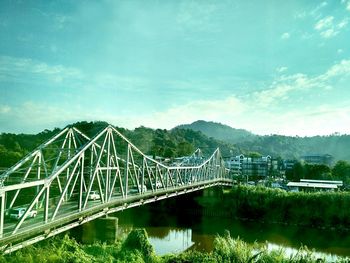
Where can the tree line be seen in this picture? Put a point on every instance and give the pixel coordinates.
(340, 171)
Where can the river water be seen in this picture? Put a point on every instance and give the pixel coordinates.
(178, 224)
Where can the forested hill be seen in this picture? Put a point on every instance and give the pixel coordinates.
(183, 141)
(174, 143)
(219, 131)
(276, 145)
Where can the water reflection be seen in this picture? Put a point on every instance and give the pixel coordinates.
(177, 240)
(175, 230)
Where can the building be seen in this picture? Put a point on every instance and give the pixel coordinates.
(251, 166)
(326, 159)
(288, 164)
(315, 185)
(296, 186)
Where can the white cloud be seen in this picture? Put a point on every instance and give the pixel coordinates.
(4, 109)
(329, 33)
(346, 3)
(327, 28)
(15, 68)
(339, 51)
(340, 69)
(324, 23)
(285, 35)
(228, 108)
(281, 69)
(285, 85)
(343, 23)
(259, 112)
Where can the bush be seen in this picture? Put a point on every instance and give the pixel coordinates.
(319, 209)
(138, 239)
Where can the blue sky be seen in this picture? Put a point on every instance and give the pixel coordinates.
(279, 67)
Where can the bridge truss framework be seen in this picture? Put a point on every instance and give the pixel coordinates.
(56, 181)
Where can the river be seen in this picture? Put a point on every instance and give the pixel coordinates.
(175, 225)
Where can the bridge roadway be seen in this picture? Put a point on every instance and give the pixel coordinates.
(34, 229)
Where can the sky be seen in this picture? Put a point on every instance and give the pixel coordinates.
(271, 67)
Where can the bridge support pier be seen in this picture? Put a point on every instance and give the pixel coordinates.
(213, 192)
(101, 229)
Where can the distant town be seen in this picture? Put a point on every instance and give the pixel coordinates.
(279, 173)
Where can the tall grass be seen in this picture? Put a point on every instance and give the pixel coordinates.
(136, 248)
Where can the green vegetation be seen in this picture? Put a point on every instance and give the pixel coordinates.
(136, 248)
(219, 131)
(340, 171)
(286, 147)
(164, 143)
(318, 209)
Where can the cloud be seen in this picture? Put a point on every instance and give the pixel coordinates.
(4, 109)
(230, 107)
(254, 112)
(28, 72)
(283, 86)
(317, 9)
(285, 35)
(14, 69)
(197, 16)
(32, 117)
(281, 69)
(346, 3)
(265, 111)
(327, 28)
(281, 89)
(340, 69)
(324, 23)
(329, 33)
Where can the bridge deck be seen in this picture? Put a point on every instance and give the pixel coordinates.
(36, 231)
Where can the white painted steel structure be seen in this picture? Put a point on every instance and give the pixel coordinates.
(57, 178)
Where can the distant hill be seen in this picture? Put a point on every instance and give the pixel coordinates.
(219, 131)
(275, 145)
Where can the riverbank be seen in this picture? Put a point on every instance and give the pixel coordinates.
(325, 210)
(135, 247)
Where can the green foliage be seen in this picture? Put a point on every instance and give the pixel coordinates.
(275, 145)
(274, 205)
(136, 248)
(163, 143)
(254, 155)
(227, 249)
(189, 256)
(219, 131)
(138, 239)
(341, 171)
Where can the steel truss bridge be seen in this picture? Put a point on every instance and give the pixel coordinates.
(57, 179)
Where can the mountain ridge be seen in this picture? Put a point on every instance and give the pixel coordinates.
(291, 147)
(219, 131)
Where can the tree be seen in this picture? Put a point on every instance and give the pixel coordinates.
(341, 171)
(184, 148)
(254, 155)
(317, 172)
(296, 173)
